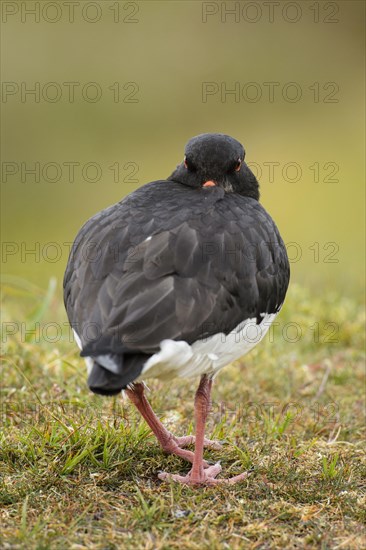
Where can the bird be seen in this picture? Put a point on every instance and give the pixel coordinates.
(180, 278)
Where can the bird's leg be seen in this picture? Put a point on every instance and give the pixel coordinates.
(202, 406)
(169, 443)
(199, 474)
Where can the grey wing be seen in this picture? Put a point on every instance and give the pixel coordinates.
(181, 284)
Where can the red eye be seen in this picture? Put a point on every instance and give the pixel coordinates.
(189, 164)
(238, 165)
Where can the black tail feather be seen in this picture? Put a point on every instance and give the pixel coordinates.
(103, 381)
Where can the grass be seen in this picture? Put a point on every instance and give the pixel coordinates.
(80, 471)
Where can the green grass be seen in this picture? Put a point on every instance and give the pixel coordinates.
(80, 471)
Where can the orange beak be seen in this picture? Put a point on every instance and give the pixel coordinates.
(209, 183)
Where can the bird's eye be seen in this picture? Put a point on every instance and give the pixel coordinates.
(238, 165)
(189, 165)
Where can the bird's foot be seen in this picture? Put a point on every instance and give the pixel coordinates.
(175, 446)
(191, 440)
(206, 476)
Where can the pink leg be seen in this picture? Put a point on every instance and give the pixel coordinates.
(169, 443)
(200, 474)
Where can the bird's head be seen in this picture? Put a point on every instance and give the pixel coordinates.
(216, 160)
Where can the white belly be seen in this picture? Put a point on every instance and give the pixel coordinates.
(207, 356)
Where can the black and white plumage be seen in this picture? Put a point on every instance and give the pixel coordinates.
(181, 277)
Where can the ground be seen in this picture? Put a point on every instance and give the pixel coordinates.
(80, 471)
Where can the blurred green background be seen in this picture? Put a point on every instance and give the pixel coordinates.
(168, 51)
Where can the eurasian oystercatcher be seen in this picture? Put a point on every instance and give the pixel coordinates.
(179, 279)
